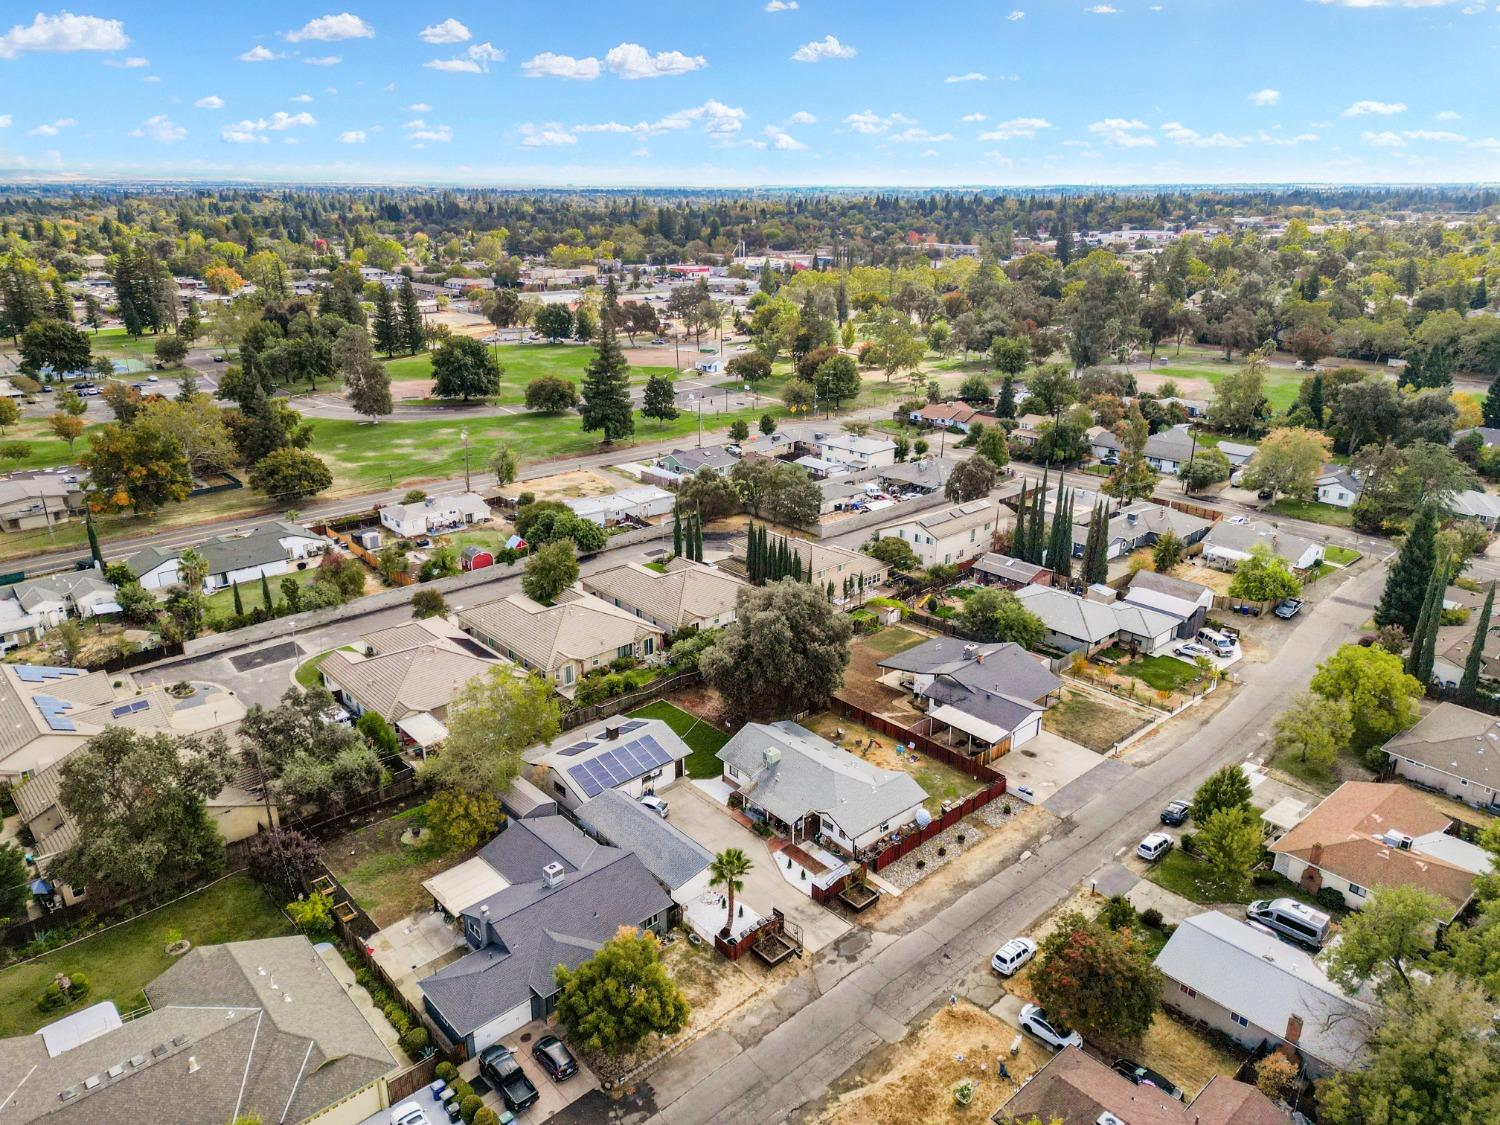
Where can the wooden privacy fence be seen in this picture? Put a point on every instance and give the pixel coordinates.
(910, 843)
(400, 578)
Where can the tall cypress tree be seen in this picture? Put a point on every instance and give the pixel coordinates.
(1090, 544)
(387, 328)
(1064, 539)
(94, 551)
(1018, 532)
(1406, 584)
(265, 594)
(1492, 404)
(606, 379)
(1424, 643)
(1099, 564)
(1036, 526)
(697, 536)
(413, 333)
(1468, 686)
(677, 531)
(239, 606)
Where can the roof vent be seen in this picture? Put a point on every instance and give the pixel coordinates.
(137, 1060)
(193, 1066)
(91, 1081)
(69, 1094)
(552, 875)
(117, 1070)
(159, 1051)
(178, 1040)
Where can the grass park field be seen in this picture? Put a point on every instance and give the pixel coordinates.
(520, 364)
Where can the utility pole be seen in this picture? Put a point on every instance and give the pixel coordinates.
(465, 435)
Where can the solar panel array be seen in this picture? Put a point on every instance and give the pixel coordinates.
(615, 767)
(576, 749)
(130, 708)
(42, 674)
(52, 711)
(634, 724)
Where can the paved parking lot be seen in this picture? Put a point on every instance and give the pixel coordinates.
(1046, 764)
(711, 825)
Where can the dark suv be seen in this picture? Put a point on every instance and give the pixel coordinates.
(1145, 1076)
(1176, 813)
(555, 1058)
(503, 1069)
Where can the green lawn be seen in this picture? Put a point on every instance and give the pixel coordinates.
(1341, 556)
(521, 363)
(1312, 511)
(1164, 673)
(119, 963)
(1191, 878)
(1281, 383)
(891, 640)
(307, 671)
(489, 540)
(221, 604)
(703, 739)
(941, 783)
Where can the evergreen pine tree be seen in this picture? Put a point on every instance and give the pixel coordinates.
(239, 606)
(1491, 405)
(1018, 532)
(698, 536)
(413, 333)
(1090, 544)
(1424, 644)
(1098, 569)
(387, 329)
(1007, 405)
(1315, 399)
(1406, 584)
(1468, 686)
(94, 551)
(265, 594)
(1064, 539)
(606, 379)
(677, 531)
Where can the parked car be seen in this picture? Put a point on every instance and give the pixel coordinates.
(1154, 846)
(655, 804)
(1239, 519)
(503, 1070)
(1265, 494)
(1012, 955)
(1289, 608)
(1176, 813)
(1191, 650)
(1110, 460)
(555, 1058)
(658, 342)
(1292, 921)
(1034, 1019)
(409, 1113)
(1145, 1076)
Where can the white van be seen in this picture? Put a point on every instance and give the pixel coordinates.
(1217, 642)
(1292, 919)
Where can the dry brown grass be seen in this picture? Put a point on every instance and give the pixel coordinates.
(563, 486)
(1186, 1056)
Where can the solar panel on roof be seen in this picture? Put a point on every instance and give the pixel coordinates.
(130, 708)
(634, 724)
(576, 748)
(581, 778)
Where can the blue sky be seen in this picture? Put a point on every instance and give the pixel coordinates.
(747, 92)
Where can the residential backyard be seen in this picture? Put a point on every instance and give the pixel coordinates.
(1092, 721)
(704, 739)
(1192, 878)
(942, 783)
(221, 602)
(384, 872)
(1312, 511)
(120, 962)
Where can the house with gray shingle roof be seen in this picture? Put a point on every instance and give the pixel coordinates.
(679, 863)
(269, 550)
(258, 1028)
(804, 786)
(55, 597)
(1338, 485)
(1455, 750)
(1168, 450)
(564, 896)
(1082, 624)
(1228, 544)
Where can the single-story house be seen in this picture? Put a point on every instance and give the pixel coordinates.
(949, 536)
(827, 563)
(928, 474)
(435, 514)
(39, 500)
(1454, 750)
(269, 551)
(17, 627)
(1488, 435)
(1168, 450)
(409, 675)
(641, 502)
(1228, 544)
(1236, 454)
(677, 861)
(564, 641)
(55, 597)
(683, 595)
(1249, 985)
(1082, 624)
(635, 756)
(1188, 601)
(1193, 407)
(552, 897)
(257, 1029)
(805, 786)
(1029, 427)
(1103, 443)
(993, 694)
(1139, 525)
(1476, 504)
(993, 569)
(685, 462)
(1337, 485)
(1074, 1088)
(958, 416)
(1366, 835)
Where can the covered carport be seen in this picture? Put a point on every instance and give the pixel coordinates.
(455, 890)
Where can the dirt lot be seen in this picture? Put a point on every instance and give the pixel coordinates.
(862, 685)
(940, 781)
(566, 486)
(1186, 387)
(1093, 721)
(913, 1081)
(1216, 580)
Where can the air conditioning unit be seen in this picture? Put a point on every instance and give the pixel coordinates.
(1107, 1118)
(552, 875)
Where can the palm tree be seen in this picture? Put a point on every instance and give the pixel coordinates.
(728, 870)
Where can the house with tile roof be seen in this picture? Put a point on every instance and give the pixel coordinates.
(565, 641)
(1074, 1088)
(1366, 835)
(804, 786)
(1259, 991)
(252, 1028)
(1453, 750)
(555, 896)
(959, 416)
(682, 595)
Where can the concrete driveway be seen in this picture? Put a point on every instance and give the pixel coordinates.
(1045, 764)
(711, 825)
(552, 1097)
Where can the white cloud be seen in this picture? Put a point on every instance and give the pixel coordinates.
(826, 48)
(352, 137)
(781, 5)
(134, 62)
(449, 31)
(869, 122)
(1381, 109)
(1103, 10)
(441, 134)
(549, 65)
(324, 60)
(213, 101)
(302, 98)
(63, 34)
(1448, 115)
(550, 135)
(254, 132)
(5, 120)
(918, 135)
(1123, 132)
(1386, 139)
(259, 53)
(1181, 134)
(1016, 16)
(419, 107)
(475, 60)
(783, 141)
(1384, 3)
(714, 116)
(329, 29)
(152, 78)
(632, 61)
(1264, 97)
(160, 129)
(1017, 128)
(1437, 136)
(802, 117)
(972, 118)
(972, 76)
(51, 129)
